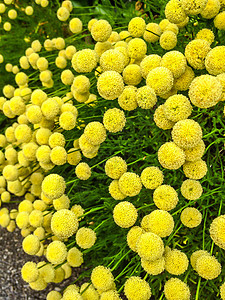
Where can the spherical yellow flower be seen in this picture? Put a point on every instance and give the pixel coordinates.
(110, 85)
(110, 295)
(47, 271)
(195, 255)
(115, 167)
(58, 155)
(196, 52)
(136, 48)
(177, 107)
(219, 21)
(191, 189)
(154, 267)
(31, 244)
(81, 84)
(136, 288)
(56, 252)
(85, 237)
(195, 153)
(148, 63)
(206, 34)
(67, 120)
(176, 262)
(132, 74)
(100, 48)
(175, 289)
(43, 154)
(187, 133)
(61, 203)
(191, 217)
(112, 60)
(101, 30)
(196, 169)
(215, 60)
(7, 26)
(83, 171)
(133, 236)
(86, 146)
(95, 133)
(130, 184)
(161, 120)
(42, 136)
(211, 9)
(125, 214)
(36, 218)
(10, 172)
(222, 291)
(175, 61)
(84, 61)
(165, 197)
(50, 109)
(89, 292)
(67, 77)
(216, 231)
(152, 33)
(38, 97)
(70, 51)
(75, 25)
(74, 257)
(53, 186)
(205, 91)
(30, 272)
(150, 246)
(146, 97)
(136, 27)
(168, 40)
(127, 100)
(64, 223)
(63, 14)
(34, 114)
(114, 120)
(102, 278)
(29, 10)
(56, 139)
(114, 190)
(160, 79)
(171, 156)
(208, 267)
(73, 156)
(183, 82)
(159, 222)
(174, 12)
(152, 177)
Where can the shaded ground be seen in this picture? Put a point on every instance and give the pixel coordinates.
(12, 258)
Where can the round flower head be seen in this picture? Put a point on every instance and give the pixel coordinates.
(177, 107)
(191, 189)
(146, 97)
(171, 156)
(174, 12)
(183, 82)
(165, 197)
(42, 136)
(136, 27)
(168, 40)
(176, 262)
(85, 237)
(36, 218)
(102, 278)
(64, 223)
(208, 267)
(205, 91)
(54, 295)
(160, 80)
(217, 232)
(50, 109)
(53, 186)
(30, 272)
(56, 252)
(73, 156)
(91, 23)
(61, 203)
(110, 85)
(38, 97)
(191, 217)
(89, 292)
(63, 14)
(75, 257)
(115, 167)
(130, 184)
(219, 21)
(31, 244)
(10, 173)
(115, 192)
(67, 120)
(136, 288)
(84, 61)
(222, 291)
(221, 78)
(127, 100)
(152, 32)
(195, 153)
(43, 154)
(196, 52)
(206, 34)
(153, 267)
(34, 114)
(47, 271)
(132, 74)
(215, 61)
(187, 133)
(211, 10)
(42, 64)
(195, 256)
(112, 60)
(17, 105)
(70, 51)
(110, 295)
(150, 246)
(159, 222)
(86, 146)
(161, 120)
(175, 61)
(100, 48)
(56, 139)
(95, 133)
(23, 133)
(58, 155)
(136, 48)
(83, 171)
(152, 177)
(125, 214)
(114, 120)
(196, 169)
(81, 84)
(175, 289)
(149, 63)
(101, 30)
(75, 25)
(67, 77)
(133, 236)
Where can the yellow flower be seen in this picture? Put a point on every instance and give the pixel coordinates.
(30, 272)
(160, 119)
(191, 189)
(196, 169)
(130, 184)
(195, 255)
(148, 63)
(112, 60)
(215, 60)
(196, 52)
(84, 61)
(154, 267)
(75, 25)
(171, 156)
(152, 32)
(150, 246)
(56, 252)
(75, 257)
(114, 120)
(101, 30)
(61, 203)
(160, 79)
(152, 177)
(127, 99)
(175, 61)
(95, 133)
(219, 21)
(146, 97)
(132, 74)
(10, 173)
(110, 85)
(125, 214)
(217, 232)
(136, 288)
(63, 14)
(67, 120)
(208, 267)
(47, 271)
(102, 278)
(31, 244)
(36, 218)
(58, 155)
(206, 34)
(115, 167)
(133, 236)
(165, 197)
(83, 171)
(191, 217)
(115, 192)
(174, 288)
(136, 27)
(168, 40)
(89, 292)
(85, 237)
(53, 186)
(176, 262)
(211, 9)
(177, 107)
(136, 48)
(183, 82)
